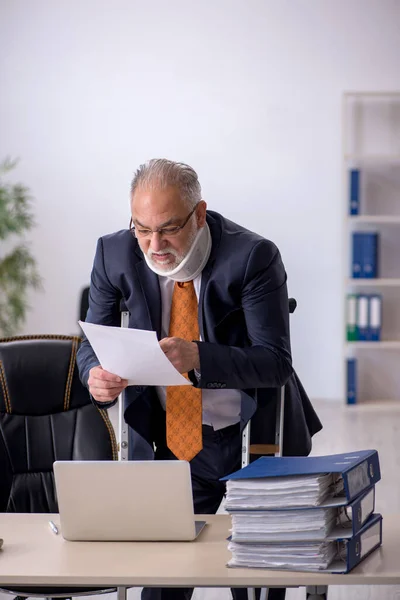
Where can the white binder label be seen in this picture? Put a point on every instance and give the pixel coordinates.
(367, 505)
(375, 312)
(358, 479)
(363, 311)
(370, 539)
(351, 310)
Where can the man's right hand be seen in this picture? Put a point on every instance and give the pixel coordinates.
(105, 386)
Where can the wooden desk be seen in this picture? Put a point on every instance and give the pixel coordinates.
(33, 555)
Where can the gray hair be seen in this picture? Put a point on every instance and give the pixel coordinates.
(158, 173)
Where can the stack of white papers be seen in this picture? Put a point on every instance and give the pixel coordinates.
(291, 538)
(304, 513)
(303, 557)
(283, 525)
(133, 354)
(276, 492)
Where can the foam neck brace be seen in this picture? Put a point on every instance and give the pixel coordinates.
(193, 263)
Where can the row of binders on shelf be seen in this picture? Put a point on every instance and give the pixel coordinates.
(365, 255)
(304, 514)
(364, 317)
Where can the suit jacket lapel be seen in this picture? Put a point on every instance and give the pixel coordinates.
(151, 292)
(215, 231)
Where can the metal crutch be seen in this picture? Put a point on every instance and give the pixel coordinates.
(123, 443)
(122, 431)
(277, 451)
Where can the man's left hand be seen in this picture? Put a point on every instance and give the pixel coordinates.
(183, 355)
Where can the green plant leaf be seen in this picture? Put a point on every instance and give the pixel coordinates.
(18, 270)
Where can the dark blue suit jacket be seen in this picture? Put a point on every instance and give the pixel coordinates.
(244, 322)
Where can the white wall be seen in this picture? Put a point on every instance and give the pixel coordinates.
(248, 92)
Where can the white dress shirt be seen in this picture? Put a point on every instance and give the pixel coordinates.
(221, 408)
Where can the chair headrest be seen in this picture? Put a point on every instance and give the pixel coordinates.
(38, 375)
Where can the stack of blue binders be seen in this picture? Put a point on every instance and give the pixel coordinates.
(365, 244)
(305, 513)
(365, 255)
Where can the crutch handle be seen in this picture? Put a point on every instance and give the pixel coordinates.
(292, 305)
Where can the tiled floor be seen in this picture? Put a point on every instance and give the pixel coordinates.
(346, 429)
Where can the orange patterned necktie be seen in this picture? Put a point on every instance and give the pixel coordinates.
(184, 408)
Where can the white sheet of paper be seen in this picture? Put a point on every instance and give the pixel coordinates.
(133, 354)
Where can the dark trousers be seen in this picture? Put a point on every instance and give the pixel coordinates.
(221, 455)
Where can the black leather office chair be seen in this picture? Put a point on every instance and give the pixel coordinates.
(45, 415)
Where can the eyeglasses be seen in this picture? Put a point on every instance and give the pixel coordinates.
(169, 231)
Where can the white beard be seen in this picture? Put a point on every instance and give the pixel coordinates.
(193, 263)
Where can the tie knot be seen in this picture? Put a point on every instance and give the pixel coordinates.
(183, 284)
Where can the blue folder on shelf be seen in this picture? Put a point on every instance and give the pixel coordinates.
(374, 317)
(354, 192)
(357, 270)
(370, 255)
(363, 317)
(351, 380)
(357, 471)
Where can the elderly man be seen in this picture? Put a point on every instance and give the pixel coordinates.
(216, 295)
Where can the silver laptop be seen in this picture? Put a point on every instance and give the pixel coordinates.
(126, 500)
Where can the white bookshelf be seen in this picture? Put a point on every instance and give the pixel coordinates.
(385, 345)
(374, 159)
(388, 219)
(379, 282)
(371, 143)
